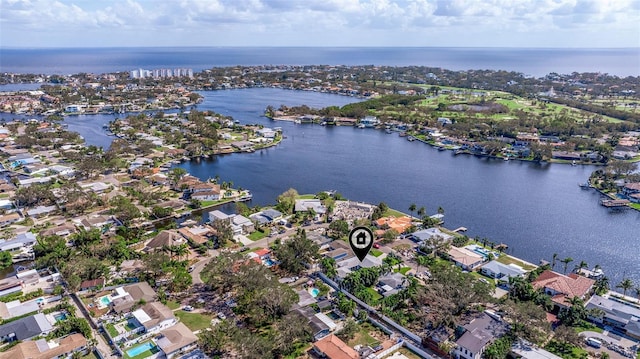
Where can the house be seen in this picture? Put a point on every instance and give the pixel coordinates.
(92, 284)
(41, 211)
(219, 215)
(391, 283)
(624, 317)
(522, 349)
(399, 224)
(10, 218)
(212, 195)
(464, 258)
(332, 347)
(500, 271)
(23, 241)
(129, 295)
(98, 221)
(196, 234)
(61, 230)
(561, 288)
(477, 335)
(166, 238)
(10, 287)
(154, 316)
(43, 349)
(267, 216)
(369, 121)
(16, 308)
(243, 145)
(241, 224)
(566, 155)
(423, 235)
(349, 264)
(25, 328)
(631, 191)
(304, 205)
(266, 132)
(176, 340)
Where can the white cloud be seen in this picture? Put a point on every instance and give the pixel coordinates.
(322, 22)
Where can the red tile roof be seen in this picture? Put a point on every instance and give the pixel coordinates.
(334, 348)
(569, 286)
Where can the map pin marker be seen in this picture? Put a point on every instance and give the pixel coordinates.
(361, 241)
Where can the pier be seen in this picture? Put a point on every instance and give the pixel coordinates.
(615, 203)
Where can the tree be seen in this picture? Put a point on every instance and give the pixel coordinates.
(625, 285)
(338, 228)
(295, 253)
(287, 201)
(421, 211)
(328, 266)
(412, 208)
(6, 260)
(602, 285)
(580, 266)
(566, 262)
(553, 260)
(224, 232)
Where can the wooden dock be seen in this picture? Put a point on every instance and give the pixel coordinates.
(615, 203)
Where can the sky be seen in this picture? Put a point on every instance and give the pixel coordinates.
(405, 23)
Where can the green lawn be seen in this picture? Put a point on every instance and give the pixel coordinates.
(573, 353)
(376, 253)
(402, 270)
(504, 259)
(393, 213)
(587, 326)
(363, 337)
(112, 330)
(256, 235)
(172, 304)
(91, 355)
(306, 196)
(376, 296)
(194, 321)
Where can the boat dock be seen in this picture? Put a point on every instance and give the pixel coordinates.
(460, 229)
(615, 203)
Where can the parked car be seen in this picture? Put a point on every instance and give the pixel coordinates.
(222, 316)
(376, 245)
(187, 308)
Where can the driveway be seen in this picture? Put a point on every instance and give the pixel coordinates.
(609, 341)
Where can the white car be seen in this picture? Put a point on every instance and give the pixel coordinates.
(222, 316)
(187, 308)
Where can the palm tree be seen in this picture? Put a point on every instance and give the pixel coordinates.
(566, 262)
(580, 266)
(421, 211)
(625, 285)
(553, 260)
(412, 208)
(636, 290)
(602, 285)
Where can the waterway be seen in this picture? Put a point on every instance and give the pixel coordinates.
(537, 209)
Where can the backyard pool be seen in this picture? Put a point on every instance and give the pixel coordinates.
(105, 300)
(269, 262)
(140, 349)
(60, 316)
(314, 292)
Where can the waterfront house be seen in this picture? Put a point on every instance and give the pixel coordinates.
(369, 121)
(464, 258)
(196, 235)
(621, 315)
(631, 191)
(219, 215)
(561, 288)
(479, 333)
(267, 216)
(303, 205)
(399, 224)
(566, 155)
(332, 347)
(501, 271)
(423, 235)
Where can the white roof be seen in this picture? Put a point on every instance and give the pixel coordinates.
(326, 320)
(141, 316)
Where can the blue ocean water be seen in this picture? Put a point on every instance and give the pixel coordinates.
(534, 62)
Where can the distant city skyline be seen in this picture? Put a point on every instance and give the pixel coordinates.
(336, 23)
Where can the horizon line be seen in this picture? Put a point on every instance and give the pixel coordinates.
(317, 47)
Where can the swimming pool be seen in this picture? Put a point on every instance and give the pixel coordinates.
(140, 349)
(314, 292)
(105, 300)
(60, 316)
(269, 262)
